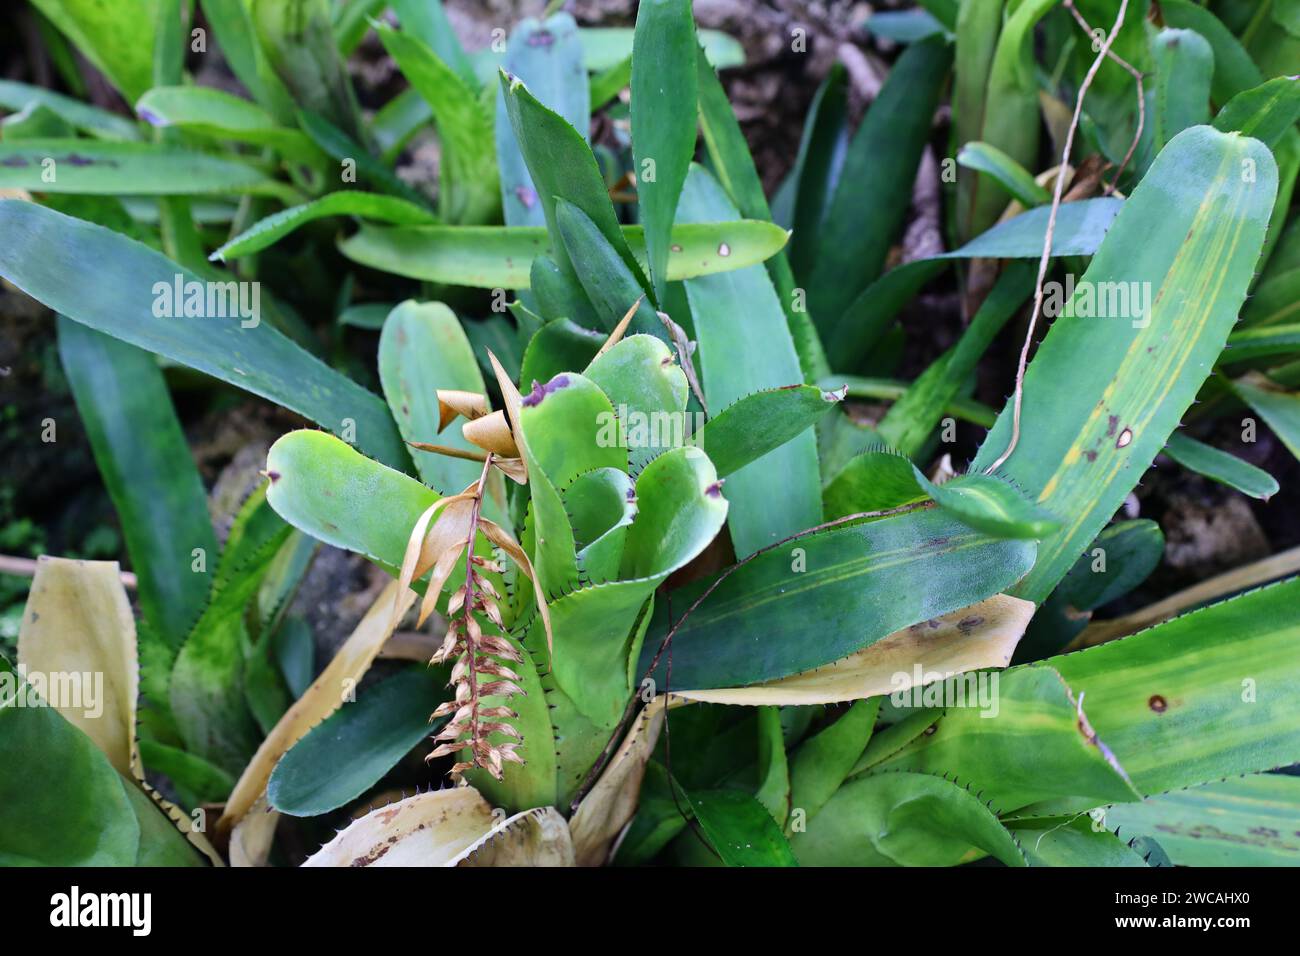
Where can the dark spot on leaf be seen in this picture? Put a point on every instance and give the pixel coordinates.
(75, 160)
(539, 392)
(714, 490)
(526, 195)
(14, 161)
(1090, 455)
(541, 38)
(1112, 423)
(968, 624)
(1158, 704)
(273, 475)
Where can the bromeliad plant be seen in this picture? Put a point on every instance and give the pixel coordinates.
(657, 498)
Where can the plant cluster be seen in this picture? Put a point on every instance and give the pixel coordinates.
(700, 578)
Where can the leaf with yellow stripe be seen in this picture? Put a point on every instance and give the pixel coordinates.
(1104, 393)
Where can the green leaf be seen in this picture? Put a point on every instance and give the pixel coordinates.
(220, 115)
(611, 287)
(131, 280)
(350, 751)
(861, 582)
(1074, 843)
(1279, 409)
(990, 504)
(1120, 559)
(1221, 466)
(150, 474)
(817, 166)
(907, 426)
(558, 346)
(779, 493)
(1275, 302)
(427, 20)
(822, 762)
(753, 426)
(562, 166)
(904, 26)
(564, 424)
(773, 770)
(1263, 342)
(117, 38)
(1006, 92)
(354, 158)
(648, 392)
(326, 488)
(107, 167)
(601, 504)
(207, 685)
(1266, 112)
(1252, 821)
(679, 512)
(547, 57)
(1199, 698)
(663, 121)
(734, 166)
(61, 801)
(603, 47)
(496, 257)
(1085, 441)
(1080, 227)
(1005, 171)
(99, 123)
(871, 481)
(1184, 67)
(893, 389)
(740, 829)
(1234, 71)
(268, 231)
(297, 40)
(977, 28)
(196, 781)
(423, 349)
(469, 191)
(1030, 746)
(867, 208)
(232, 24)
(609, 83)
(903, 819)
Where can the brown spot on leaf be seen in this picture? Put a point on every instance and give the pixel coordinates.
(1158, 704)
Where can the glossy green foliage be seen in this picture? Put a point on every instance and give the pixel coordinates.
(349, 751)
(864, 582)
(136, 302)
(1087, 435)
(141, 453)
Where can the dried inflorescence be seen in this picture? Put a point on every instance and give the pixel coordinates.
(480, 671)
(482, 659)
